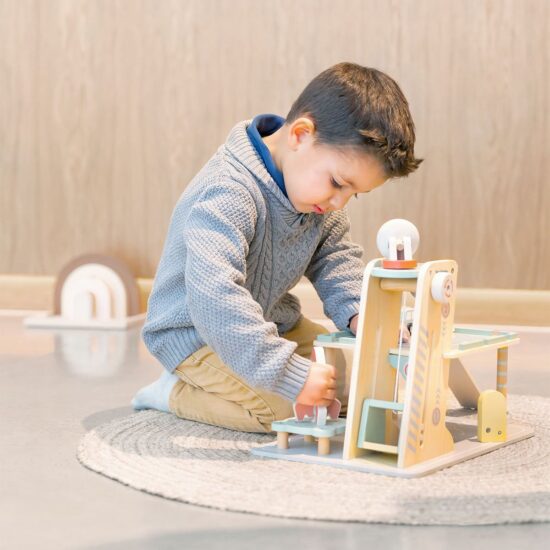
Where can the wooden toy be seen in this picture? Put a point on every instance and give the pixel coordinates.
(491, 419)
(93, 291)
(397, 420)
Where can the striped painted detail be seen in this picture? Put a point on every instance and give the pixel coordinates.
(412, 439)
(424, 332)
(416, 400)
(502, 373)
(421, 354)
(501, 362)
(501, 385)
(414, 425)
(417, 388)
(415, 411)
(420, 377)
(410, 447)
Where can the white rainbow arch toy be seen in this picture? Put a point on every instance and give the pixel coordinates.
(94, 292)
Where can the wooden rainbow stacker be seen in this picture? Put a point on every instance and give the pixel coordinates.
(397, 421)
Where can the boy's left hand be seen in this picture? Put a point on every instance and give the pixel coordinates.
(405, 336)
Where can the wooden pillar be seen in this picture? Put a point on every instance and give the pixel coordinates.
(502, 371)
(323, 446)
(282, 440)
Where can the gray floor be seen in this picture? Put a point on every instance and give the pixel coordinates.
(56, 386)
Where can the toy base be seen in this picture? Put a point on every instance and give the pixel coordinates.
(466, 446)
(57, 321)
(399, 264)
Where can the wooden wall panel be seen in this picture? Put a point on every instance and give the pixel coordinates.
(109, 107)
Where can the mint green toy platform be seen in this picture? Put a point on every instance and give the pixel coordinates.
(465, 341)
(301, 427)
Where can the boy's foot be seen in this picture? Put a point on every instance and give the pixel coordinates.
(156, 395)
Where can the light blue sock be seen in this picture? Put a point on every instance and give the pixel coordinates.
(156, 395)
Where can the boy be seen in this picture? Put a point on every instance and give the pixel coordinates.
(264, 211)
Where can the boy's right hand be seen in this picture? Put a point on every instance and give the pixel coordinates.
(320, 386)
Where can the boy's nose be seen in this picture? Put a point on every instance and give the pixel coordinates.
(337, 202)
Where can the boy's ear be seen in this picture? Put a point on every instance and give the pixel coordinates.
(301, 130)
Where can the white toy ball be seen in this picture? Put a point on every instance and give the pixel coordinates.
(397, 232)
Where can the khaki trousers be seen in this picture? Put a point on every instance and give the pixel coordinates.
(209, 391)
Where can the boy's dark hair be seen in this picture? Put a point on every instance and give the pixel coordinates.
(364, 108)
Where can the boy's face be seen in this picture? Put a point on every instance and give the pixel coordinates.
(320, 178)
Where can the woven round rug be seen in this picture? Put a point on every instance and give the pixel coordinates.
(199, 464)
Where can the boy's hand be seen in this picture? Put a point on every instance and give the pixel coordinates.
(353, 324)
(320, 386)
(405, 334)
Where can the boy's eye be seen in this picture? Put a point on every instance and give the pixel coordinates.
(335, 183)
(338, 186)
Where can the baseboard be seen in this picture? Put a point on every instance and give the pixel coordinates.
(476, 306)
(488, 306)
(473, 305)
(36, 292)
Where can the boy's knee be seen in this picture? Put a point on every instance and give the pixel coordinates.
(266, 413)
(323, 329)
(304, 334)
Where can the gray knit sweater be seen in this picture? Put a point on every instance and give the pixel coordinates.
(234, 249)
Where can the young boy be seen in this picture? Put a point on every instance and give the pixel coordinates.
(267, 209)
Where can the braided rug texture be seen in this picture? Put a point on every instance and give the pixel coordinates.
(199, 464)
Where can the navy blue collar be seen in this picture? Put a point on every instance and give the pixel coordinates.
(261, 126)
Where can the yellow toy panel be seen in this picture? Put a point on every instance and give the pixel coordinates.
(491, 410)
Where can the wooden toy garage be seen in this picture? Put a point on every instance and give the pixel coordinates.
(397, 421)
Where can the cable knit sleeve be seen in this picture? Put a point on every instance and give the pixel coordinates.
(217, 235)
(336, 270)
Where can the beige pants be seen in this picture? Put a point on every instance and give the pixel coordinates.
(209, 391)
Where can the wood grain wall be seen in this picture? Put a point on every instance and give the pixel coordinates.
(109, 107)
